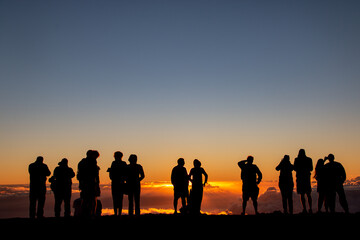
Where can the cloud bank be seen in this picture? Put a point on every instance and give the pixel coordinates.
(157, 198)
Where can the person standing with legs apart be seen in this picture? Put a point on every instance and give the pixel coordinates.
(303, 166)
(135, 175)
(251, 177)
(38, 172)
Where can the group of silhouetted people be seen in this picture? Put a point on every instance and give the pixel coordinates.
(126, 178)
(330, 178)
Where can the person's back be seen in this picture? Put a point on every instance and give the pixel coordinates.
(38, 173)
(118, 171)
(63, 175)
(303, 166)
(179, 177)
(250, 174)
(334, 173)
(285, 177)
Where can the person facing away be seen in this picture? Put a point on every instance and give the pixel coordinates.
(251, 177)
(303, 166)
(321, 184)
(38, 173)
(180, 181)
(335, 177)
(286, 183)
(89, 184)
(118, 174)
(196, 193)
(61, 181)
(135, 174)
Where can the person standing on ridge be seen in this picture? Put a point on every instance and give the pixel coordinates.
(251, 177)
(303, 166)
(180, 181)
(38, 171)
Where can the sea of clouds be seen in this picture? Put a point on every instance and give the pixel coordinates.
(157, 198)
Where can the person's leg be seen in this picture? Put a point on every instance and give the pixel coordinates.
(309, 201)
(303, 202)
(131, 203)
(342, 199)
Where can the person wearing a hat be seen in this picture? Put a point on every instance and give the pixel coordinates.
(61, 185)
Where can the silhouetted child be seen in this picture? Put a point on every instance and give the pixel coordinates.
(135, 175)
(251, 177)
(286, 183)
(303, 166)
(38, 172)
(335, 176)
(180, 181)
(321, 184)
(196, 193)
(61, 182)
(118, 175)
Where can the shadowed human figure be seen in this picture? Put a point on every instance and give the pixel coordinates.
(321, 184)
(286, 183)
(118, 175)
(251, 177)
(196, 193)
(180, 181)
(38, 173)
(335, 176)
(89, 183)
(303, 166)
(135, 175)
(61, 185)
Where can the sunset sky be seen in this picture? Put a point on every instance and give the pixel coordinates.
(212, 80)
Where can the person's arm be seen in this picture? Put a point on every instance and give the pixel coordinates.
(206, 177)
(259, 175)
(242, 163)
(142, 174)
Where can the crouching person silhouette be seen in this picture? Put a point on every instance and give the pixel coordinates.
(251, 177)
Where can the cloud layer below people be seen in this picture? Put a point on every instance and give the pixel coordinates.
(219, 198)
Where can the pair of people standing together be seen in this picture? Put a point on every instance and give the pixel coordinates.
(180, 179)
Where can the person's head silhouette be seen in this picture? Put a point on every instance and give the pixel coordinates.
(39, 159)
(331, 157)
(132, 159)
(118, 155)
(63, 162)
(181, 162)
(302, 153)
(197, 163)
(250, 159)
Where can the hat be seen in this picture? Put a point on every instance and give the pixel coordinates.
(63, 162)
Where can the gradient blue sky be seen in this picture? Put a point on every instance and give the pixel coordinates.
(214, 80)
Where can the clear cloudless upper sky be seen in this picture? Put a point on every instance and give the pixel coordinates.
(213, 80)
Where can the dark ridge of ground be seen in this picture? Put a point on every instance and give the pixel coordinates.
(176, 226)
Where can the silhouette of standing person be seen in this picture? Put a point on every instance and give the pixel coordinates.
(321, 184)
(303, 166)
(118, 174)
(89, 184)
(196, 193)
(180, 181)
(62, 187)
(251, 177)
(286, 183)
(38, 172)
(335, 176)
(135, 175)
